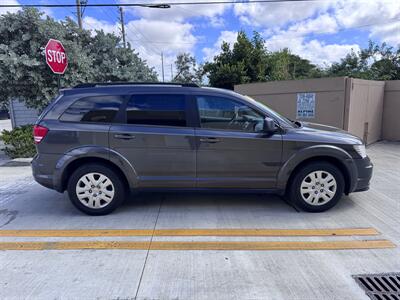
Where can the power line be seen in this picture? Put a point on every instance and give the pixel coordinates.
(156, 5)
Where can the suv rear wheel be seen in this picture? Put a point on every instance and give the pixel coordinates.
(95, 189)
(316, 187)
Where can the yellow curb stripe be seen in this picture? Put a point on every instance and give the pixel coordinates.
(189, 232)
(278, 245)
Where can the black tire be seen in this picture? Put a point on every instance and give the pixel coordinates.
(117, 183)
(294, 188)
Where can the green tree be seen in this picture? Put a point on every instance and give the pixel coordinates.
(250, 61)
(187, 70)
(377, 62)
(23, 71)
(283, 65)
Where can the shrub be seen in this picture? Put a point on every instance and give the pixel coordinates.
(19, 142)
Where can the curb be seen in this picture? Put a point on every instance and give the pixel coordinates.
(16, 162)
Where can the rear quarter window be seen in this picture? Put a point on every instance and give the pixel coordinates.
(99, 109)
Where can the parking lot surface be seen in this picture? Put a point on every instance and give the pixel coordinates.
(55, 269)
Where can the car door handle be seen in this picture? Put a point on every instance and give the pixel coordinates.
(124, 136)
(210, 140)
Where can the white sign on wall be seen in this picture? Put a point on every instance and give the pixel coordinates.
(305, 105)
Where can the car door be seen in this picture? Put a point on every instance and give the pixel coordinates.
(232, 150)
(156, 140)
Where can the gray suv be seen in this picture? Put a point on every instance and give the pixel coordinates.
(102, 141)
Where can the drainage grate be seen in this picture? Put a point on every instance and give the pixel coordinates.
(380, 286)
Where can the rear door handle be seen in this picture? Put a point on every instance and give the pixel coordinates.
(210, 140)
(124, 136)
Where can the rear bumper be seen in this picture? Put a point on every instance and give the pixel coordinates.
(364, 171)
(39, 166)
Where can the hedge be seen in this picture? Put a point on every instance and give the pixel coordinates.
(19, 142)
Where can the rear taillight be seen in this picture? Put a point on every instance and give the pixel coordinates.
(39, 132)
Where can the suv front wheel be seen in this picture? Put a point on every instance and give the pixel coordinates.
(316, 187)
(95, 189)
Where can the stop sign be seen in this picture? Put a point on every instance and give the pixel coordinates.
(56, 58)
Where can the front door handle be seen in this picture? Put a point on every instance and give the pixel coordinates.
(210, 140)
(124, 136)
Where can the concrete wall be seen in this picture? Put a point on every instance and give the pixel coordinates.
(391, 111)
(21, 115)
(282, 97)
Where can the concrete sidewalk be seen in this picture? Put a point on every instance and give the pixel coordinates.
(197, 274)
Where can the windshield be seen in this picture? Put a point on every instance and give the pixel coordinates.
(269, 111)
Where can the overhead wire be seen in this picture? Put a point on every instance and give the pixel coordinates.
(159, 5)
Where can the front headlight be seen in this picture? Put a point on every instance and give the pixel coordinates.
(360, 149)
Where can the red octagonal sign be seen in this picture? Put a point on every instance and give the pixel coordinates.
(56, 58)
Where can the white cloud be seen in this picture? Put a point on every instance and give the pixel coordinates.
(180, 13)
(278, 14)
(315, 51)
(389, 33)
(4, 10)
(373, 16)
(93, 24)
(323, 24)
(151, 37)
(227, 36)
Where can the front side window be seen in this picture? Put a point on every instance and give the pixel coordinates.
(157, 109)
(99, 109)
(227, 114)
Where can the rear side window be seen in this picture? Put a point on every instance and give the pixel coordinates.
(99, 109)
(158, 109)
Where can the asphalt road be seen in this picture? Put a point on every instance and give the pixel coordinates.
(54, 271)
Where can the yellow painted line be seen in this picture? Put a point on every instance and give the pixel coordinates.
(266, 232)
(278, 245)
(189, 232)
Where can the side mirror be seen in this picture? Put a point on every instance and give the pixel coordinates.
(269, 125)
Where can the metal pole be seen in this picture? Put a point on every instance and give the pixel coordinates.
(121, 12)
(78, 13)
(172, 74)
(162, 66)
(59, 81)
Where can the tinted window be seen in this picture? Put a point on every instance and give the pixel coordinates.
(102, 109)
(223, 113)
(162, 110)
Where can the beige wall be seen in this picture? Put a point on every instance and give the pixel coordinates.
(364, 107)
(282, 97)
(391, 111)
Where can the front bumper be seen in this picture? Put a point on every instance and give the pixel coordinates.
(364, 171)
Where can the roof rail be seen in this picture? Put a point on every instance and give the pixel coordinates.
(95, 84)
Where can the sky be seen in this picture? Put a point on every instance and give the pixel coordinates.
(321, 31)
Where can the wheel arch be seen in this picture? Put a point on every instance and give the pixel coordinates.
(77, 157)
(331, 154)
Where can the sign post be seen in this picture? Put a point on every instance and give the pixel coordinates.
(56, 58)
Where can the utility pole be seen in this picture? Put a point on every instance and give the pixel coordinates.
(162, 66)
(172, 74)
(78, 13)
(121, 19)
